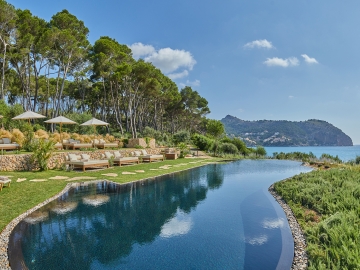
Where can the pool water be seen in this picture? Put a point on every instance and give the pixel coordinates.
(219, 216)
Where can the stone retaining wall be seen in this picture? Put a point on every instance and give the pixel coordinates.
(142, 142)
(22, 162)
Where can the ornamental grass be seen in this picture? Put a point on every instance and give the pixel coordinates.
(327, 206)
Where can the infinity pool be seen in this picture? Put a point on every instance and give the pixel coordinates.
(219, 216)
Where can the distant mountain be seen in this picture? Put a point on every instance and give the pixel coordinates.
(286, 133)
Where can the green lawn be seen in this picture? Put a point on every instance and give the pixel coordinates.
(22, 196)
(326, 203)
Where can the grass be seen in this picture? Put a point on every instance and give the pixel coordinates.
(326, 203)
(22, 196)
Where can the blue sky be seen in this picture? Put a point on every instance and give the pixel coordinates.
(265, 59)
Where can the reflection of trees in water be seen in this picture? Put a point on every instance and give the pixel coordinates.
(106, 233)
(215, 176)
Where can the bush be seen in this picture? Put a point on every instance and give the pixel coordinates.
(202, 142)
(357, 160)
(42, 151)
(152, 133)
(184, 150)
(260, 151)
(228, 148)
(181, 137)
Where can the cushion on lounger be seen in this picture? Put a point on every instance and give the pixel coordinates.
(108, 155)
(144, 152)
(3, 178)
(102, 141)
(96, 141)
(65, 141)
(72, 157)
(6, 140)
(117, 154)
(137, 153)
(85, 156)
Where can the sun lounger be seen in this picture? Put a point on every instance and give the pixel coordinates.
(74, 144)
(3, 181)
(5, 144)
(147, 157)
(84, 161)
(120, 160)
(101, 144)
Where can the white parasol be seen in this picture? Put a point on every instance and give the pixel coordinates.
(60, 120)
(28, 115)
(94, 122)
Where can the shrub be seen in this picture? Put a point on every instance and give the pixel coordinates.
(41, 134)
(139, 147)
(5, 134)
(260, 151)
(228, 148)
(42, 151)
(184, 150)
(18, 136)
(152, 133)
(357, 160)
(202, 142)
(182, 136)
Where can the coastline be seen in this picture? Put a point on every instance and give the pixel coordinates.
(300, 260)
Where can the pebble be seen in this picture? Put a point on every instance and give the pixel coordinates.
(300, 260)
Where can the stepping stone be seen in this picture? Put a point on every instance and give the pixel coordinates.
(110, 174)
(81, 178)
(21, 180)
(139, 171)
(38, 180)
(164, 167)
(154, 169)
(58, 177)
(128, 173)
(193, 162)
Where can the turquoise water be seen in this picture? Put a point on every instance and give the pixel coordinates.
(345, 153)
(219, 216)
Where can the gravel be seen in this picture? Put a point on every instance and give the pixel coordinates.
(300, 260)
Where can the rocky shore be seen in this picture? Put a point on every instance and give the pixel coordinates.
(300, 260)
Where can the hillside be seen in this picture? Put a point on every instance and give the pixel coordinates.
(286, 133)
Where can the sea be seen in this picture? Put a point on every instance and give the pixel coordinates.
(345, 153)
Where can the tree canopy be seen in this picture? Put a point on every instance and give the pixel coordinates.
(51, 67)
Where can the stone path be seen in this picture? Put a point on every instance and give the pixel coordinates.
(110, 174)
(59, 177)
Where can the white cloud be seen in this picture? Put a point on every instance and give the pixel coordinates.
(139, 49)
(194, 83)
(275, 61)
(179, 225)
(291, 97)
(309, 60)
(258, 241)
(273, 223)
(178, 75)
(263, 43)
(169, 60)
(189, 83)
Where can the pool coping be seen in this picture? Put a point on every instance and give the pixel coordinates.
(300, 260)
